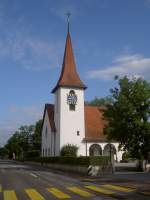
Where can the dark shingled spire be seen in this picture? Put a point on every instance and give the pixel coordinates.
(69, 76)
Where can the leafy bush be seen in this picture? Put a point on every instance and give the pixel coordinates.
(69, 150)
(32, 154)
(70, 160)
(83, 160)
(100, 160)
(127, 157)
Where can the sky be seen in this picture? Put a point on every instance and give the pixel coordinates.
(109, 37)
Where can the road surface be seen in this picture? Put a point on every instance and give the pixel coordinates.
(19, 181)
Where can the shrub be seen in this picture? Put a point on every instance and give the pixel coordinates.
(83, 160)
(70, 160)
(126, 157)
(100, 160)
(69, 150)
(32, 154)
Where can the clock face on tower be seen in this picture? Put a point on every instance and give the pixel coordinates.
(72, 98)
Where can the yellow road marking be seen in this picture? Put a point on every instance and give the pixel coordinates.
(9, 195)
(34, 195)
(88, 179)
(0, 188)
(101, 190)
(59, 194)
(119, 188)
(79, 191)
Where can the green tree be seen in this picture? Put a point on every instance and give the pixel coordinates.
(69, 150)
(13, 145)
(99, 101)
(21, 141)
(25, 141)
(129, 116)
(37, 135)
(25, 137)
(3, 152)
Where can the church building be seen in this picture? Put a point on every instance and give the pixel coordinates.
(69, 120)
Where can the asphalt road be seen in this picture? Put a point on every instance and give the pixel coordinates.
(28, 182)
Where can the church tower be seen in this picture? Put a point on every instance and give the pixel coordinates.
(69, 103)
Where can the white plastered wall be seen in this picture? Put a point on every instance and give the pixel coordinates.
(57, 121)
(47, 146)
(69, 122)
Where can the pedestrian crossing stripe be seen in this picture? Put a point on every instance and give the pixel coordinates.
(0, 188)
(33, 194)
(100, 190)
(106, 189)
(118, 188)
(58, 193)
(80, 192)
(10, 195)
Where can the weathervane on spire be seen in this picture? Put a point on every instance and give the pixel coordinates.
(68, 14)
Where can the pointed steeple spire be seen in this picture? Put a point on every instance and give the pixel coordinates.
(69, 76)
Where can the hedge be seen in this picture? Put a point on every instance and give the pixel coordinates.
(100, 160)
(32, 154)
(82, 160)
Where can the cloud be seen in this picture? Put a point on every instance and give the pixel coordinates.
(5, 134)
(30, 53)
(129, 65)
(7, 129)
(147, 3)
(25, 115)
(30, 112)
(23, 47)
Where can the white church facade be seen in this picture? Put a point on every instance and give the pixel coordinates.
(70, 121)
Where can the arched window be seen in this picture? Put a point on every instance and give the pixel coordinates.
(110, 150)
(95, 150)
(72, 100)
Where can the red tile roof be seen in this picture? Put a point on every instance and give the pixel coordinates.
(69, 76)
(50, 110)
(94, 122)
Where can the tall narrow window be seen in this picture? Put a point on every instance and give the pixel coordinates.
(72, 107)
(78, 133)
(46, 152)
(46, 133)
(49, 153)
(72, 100)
